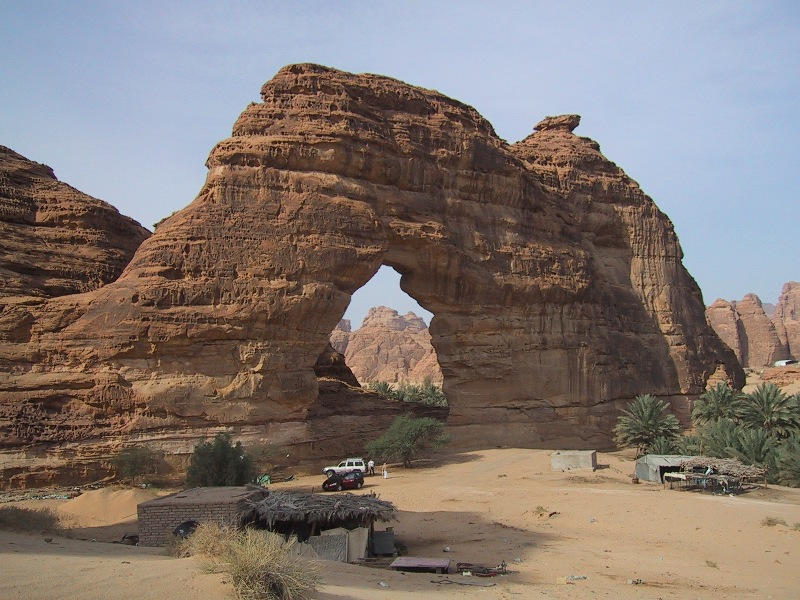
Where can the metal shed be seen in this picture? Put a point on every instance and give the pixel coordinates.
(651, 467)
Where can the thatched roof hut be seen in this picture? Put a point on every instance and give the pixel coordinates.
(723, 466)
(303, 514)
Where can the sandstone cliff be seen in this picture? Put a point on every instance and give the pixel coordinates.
(556, 283)
(756, 339)
(390, 347)
(787, 318)
(55, 240)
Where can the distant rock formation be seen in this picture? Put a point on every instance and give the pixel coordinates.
(389, 347)
(787, 318)
(756, 339)
(55, 240)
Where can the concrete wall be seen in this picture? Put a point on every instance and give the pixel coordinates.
(564, 460)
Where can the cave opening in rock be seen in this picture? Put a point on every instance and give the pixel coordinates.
(384, 336)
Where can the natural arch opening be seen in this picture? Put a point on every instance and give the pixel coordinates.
(386, 343)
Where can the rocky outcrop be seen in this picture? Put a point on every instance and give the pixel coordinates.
(556, 283)
(787, 318)
(55, 240)
(340, 336)
(391, 347)
(744, 326)
(724, 319)
(761, 345)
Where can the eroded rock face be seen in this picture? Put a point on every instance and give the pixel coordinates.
(724, 319)
(55, 240)
(745, 327)
(340, 336)
(787, 318)
(391, 347)
(556, 283)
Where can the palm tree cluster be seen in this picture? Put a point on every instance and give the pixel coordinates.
(760, 428)
(427, 393)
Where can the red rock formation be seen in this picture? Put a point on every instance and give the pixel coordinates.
(556, 283)
(724, 319)
(55, 240)
(761, 343)
(787, 318)
(746, 329)
(394, 348)
(340, 336)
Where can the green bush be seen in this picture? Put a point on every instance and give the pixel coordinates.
(219, 462)
(788, 461)
(664, 445)
(428, 393)
(406, 438)
(644, 420)
(130, 463)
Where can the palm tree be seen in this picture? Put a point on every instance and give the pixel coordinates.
(720, 402)
(645, 419)
(769, 408)
(718, 437)
(664, 445)
(754, 447)
(788, 462)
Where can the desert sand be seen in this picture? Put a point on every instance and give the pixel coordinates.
(487, 507)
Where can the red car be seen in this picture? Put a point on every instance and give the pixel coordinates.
(350, 481)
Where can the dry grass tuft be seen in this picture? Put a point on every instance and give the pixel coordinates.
(29, 519)
(260, 563)
(772, 521)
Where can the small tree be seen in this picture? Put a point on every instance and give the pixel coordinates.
(406, 438)
(130, 463)
(720, 402)
(219, 462)
(645, 419)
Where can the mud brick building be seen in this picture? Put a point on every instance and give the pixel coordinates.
(159, 517)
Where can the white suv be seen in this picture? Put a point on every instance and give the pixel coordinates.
(347, 465)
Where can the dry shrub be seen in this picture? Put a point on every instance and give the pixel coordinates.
(772, 521)
(260, 563)
(29, 519)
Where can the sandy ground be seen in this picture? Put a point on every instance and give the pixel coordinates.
(487, 507)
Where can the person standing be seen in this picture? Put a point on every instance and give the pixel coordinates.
(371, 467)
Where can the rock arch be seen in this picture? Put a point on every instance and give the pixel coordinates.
(556, 283)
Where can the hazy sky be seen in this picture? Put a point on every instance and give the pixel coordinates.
(697, 101)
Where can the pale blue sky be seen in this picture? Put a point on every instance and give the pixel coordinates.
(697, 101)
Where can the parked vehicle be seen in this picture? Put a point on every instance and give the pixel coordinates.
(354, 480)
(347, 465)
